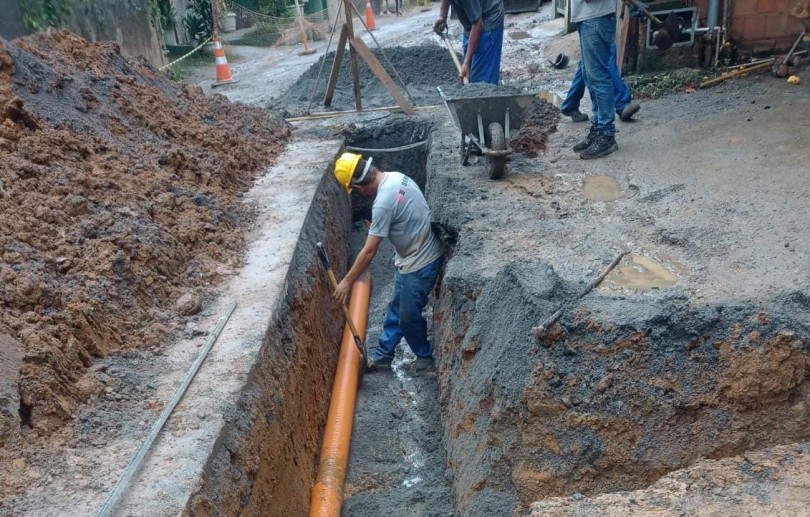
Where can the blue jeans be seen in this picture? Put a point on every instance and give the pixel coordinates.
(486, 62)
(404, 317)
(595, 37)
(621, 93)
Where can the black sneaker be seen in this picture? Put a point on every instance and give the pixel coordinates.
(628, 111)
(422, 364)
(602, 145)
(384, 363)
(581, 146)
(576, 115)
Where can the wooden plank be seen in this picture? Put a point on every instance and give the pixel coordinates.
(347, 9)
(621, 45)
(333, 75)
(378, 70)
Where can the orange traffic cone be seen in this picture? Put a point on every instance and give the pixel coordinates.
(223, 69)
(370, 17)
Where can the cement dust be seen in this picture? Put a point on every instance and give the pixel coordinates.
(601, 187)
(519, 35)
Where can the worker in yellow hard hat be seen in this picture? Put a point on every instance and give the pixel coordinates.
(400, 213)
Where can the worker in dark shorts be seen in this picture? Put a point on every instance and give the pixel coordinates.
(483, 37)
(401, 214)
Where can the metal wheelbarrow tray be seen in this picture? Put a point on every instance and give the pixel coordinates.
(486, 124)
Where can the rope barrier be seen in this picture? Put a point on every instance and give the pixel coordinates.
(185, 56)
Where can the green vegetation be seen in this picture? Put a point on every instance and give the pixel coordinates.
(40, 14)
(653, 86)
(181, 70)
(263, 35)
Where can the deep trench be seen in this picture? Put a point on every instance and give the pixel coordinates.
(617, 394)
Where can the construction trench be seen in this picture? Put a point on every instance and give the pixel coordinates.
(678, 386)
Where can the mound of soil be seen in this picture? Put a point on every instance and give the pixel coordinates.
(421, 68)
(538, 122)
(119, 209)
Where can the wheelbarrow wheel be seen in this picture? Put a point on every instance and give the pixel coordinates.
(497, 142)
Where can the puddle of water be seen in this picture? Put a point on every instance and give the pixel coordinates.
(517, 35)
(643, 274)
(600, 187)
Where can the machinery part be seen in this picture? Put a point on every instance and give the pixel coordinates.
(520, 6)
(560, 62)
(446, 40)
(664, 36)
(357, 341)
(497, 142)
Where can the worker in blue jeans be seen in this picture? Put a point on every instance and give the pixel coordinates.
(401, 214)
(625, 108)
(482, 21)
(596, 24)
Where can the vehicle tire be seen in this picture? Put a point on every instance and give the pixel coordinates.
(497, 142)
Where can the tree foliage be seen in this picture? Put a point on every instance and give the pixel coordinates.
(41, 14)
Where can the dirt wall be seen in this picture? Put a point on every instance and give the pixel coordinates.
(616, 396)
(266, 457)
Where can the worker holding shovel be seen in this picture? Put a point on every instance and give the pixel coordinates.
(483, 37)
(400, 213)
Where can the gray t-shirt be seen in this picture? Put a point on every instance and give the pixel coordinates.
(469, 11)
(401, 213)
(582, 10)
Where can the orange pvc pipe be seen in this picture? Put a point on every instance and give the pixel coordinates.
(327, 494)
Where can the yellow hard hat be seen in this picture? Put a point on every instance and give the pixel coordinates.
(344, 169)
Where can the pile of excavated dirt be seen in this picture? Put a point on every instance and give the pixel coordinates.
(538, 122)
(119, 209)
(421, 68)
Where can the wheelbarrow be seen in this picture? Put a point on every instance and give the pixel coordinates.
(486, 124)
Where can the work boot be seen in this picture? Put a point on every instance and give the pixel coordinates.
(421, 365)
(383, 363)
(576, 115)
(628, 111)
(602, 145)
(584, 144)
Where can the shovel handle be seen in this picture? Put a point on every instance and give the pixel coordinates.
(446, 41)
(334, 282)
(644, 11)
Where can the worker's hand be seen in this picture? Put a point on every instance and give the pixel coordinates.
(440, 25)
(342, 292)
(464, 73)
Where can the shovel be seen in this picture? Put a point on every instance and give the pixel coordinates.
(357, 341)
(443, 35)
(666, 31)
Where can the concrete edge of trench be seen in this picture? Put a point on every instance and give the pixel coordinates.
(247, 431)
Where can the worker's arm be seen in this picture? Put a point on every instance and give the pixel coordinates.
(361, 263)
(441, 23)
(472, 45)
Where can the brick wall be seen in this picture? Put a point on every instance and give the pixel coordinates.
(763, 25)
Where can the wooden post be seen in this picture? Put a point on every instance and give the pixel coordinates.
(358, 103)
(300, 17)
(333, 75)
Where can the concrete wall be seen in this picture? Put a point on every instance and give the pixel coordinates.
(759, 25)
(11, 24)
(127, 23)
